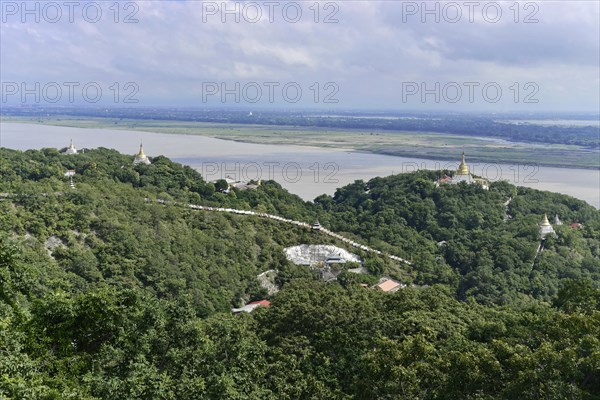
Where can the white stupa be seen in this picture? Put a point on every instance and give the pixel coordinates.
(557, 220)
(141, 158)
(545, 228)
(71, 149)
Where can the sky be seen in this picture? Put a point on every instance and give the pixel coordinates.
(392, 55)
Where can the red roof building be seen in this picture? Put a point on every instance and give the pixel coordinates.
(264, 303)
(389, 286)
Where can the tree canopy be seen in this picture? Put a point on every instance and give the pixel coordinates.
(106, 295)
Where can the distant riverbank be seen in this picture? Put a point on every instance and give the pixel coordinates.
(305, 171)
(422, 145)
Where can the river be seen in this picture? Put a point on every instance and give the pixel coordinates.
(305, 171)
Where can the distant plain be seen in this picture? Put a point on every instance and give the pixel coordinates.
(426, 145)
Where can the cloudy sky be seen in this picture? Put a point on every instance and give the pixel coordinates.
(463, 56)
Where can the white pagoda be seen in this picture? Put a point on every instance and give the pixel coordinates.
(71, 149)
(141, 158)
(545, 228)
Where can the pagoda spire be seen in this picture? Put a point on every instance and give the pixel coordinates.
(545, 221)
(463, 169)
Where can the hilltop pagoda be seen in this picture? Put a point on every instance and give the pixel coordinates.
(71, 149)
(141, 157)
(463, 175)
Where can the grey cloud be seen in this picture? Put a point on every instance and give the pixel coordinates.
(370, 52)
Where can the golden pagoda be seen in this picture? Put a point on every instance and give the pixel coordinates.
(463, 169)
(141, 157)
(462, 174)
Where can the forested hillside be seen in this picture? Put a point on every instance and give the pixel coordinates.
(463, 236)
(106, 294)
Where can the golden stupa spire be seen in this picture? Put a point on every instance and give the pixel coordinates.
(545, 221)
(141, 153)
(463, 169)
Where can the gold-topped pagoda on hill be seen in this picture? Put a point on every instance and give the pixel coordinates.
(463, 175)
(463, 169)
(141, 157)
